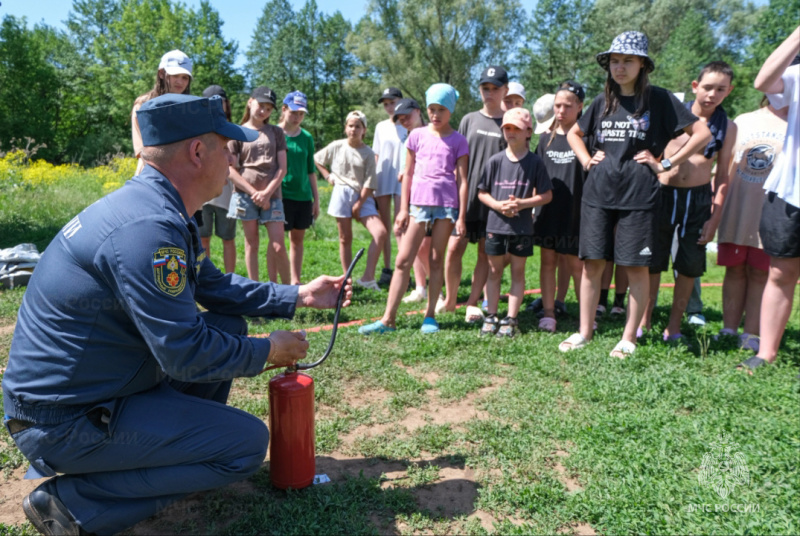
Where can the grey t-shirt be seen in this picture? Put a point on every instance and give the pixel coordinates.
(485, 138)
(503, 178)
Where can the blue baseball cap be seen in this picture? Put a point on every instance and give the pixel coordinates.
(170, 118)
(296, 101)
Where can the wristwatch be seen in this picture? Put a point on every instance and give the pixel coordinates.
(666, 164)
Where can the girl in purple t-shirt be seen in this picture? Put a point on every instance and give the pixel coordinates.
(433, 189)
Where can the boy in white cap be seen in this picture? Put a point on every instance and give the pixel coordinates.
(515, 98)
(512, 183)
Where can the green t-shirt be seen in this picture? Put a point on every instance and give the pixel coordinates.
(300, 162)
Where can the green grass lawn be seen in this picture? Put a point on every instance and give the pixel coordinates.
(456, 434)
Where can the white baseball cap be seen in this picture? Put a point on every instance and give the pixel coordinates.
(176, 62)
(544, 113)
(515, 88)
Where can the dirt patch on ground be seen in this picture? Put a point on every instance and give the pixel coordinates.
(569, 482)
(7, 329)
(12, 491)
(577, 529)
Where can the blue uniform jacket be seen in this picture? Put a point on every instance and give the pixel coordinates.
(110, 309)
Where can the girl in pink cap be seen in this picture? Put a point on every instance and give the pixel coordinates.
(174, 75)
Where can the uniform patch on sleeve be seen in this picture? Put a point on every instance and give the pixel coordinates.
(169, 270)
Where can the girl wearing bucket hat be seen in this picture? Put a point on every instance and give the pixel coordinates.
(174, 75)
(630, 124)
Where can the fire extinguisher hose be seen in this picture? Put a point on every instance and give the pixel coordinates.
(340, 301)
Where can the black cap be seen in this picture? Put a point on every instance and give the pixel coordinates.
(404, 106)
(494, 74)
(391, 93)
(210, 91)
(175, 117)
(264, 94)
(573, 87)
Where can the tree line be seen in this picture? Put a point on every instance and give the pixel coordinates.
(71, 91)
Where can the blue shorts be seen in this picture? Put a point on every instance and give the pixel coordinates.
(342, 200)
(243, 208)
(428, 214)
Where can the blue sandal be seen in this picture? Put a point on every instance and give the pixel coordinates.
(376, 328)
(429, 325)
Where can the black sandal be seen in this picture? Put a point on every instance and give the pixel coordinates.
(508, 327)
(489, 326)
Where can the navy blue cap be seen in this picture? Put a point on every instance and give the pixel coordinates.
(175, 117)
(404, 107)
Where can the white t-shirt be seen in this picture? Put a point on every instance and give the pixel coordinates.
(388, 145)
(785, 177)
(223, 200)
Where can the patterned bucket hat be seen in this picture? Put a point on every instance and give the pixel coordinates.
(633, 43)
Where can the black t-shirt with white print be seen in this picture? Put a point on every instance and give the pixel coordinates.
(485, 138)
(618, 181)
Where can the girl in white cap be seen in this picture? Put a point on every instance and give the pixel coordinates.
(630, 124)
(349, 165)
(174, 75)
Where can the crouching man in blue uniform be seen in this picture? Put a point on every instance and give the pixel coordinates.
(115, 382)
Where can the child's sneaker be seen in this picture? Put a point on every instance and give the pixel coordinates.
(376, 328)
(560, 308)
(617, 311)
(508, 327)
(489, 326)
(601, 310)
(371, 285)
(416, 295)
(749, 342)
(429, 325)
(386, 277)
(535, 306)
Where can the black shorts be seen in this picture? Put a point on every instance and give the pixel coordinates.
(557, 224)
(631, 245)
(216, 218)
(687, 210)
(297, 214)
(517, 245)
(780, 228)
(475, 231)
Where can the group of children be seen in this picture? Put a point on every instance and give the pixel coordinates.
(614, 182)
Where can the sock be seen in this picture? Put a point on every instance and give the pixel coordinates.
(619, 299)
(604, 297)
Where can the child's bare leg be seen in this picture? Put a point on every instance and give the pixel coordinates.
(517, 285)
(421, 267)
(456, 247)
(251, 243)
(591, 281)
(680, 299)
(652, 298)
(296, 247)
(776, 304)
(439, 240)
(409, 244)
(734, 293)
(479, 275)
(563, 276)
(229, 255)
(277, 259)
(345, 226)
(493, 282)
(547, 280)
(756, 281)
(576, 269)
(379, 235)
(384, 204)
(639, 284)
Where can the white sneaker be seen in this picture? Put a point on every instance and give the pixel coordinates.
(416, 295)
(372, 285)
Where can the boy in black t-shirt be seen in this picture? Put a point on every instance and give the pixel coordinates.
(512, 183)
(687, 202)
(485, 138)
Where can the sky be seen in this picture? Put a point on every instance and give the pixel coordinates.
(240, 16)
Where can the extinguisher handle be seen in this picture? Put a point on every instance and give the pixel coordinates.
(306, 366)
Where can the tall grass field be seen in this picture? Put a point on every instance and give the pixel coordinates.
(456, 434)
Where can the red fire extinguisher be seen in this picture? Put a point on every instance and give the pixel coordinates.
(292, 462)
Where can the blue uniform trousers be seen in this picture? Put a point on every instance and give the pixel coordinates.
(130, 457)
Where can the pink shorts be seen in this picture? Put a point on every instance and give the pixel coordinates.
(729, 254)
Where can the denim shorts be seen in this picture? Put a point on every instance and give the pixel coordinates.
(243, 208)
(428, 214)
